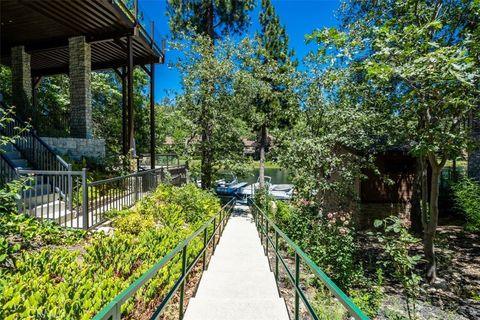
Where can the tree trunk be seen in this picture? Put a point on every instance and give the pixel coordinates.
(206, 167)
(432, 223)
(263, 142)
(207, 156)
(416, 209)
(206, 148)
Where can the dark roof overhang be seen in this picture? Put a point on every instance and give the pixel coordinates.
(44, 27)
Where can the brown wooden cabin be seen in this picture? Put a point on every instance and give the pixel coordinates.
(389, 193)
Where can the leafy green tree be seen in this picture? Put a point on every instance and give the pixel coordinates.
(51, 117)
(211, 19)
(5, 83)
(107, 110)
(418, 54)
(224, 146)
(337, 132)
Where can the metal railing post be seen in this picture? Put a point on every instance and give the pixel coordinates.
(214, 233)
(85, 198)
(117, 314)
(70, 188)
(220, 224)
(182, 288)
(297, 285)
(205, 249)
(135, 188)
(276, 255)
(266, 238)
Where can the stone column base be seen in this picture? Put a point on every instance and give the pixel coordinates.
(77, 148)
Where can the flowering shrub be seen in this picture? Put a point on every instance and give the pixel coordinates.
(328, 238)
(336, 236)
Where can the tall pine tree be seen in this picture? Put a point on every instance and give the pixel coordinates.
(274, 52)
(211, 19)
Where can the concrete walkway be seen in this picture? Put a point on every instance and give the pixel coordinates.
(238, 284)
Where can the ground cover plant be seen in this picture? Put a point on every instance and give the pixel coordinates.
(57, 273)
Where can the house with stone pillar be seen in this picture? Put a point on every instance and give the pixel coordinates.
(43, 38)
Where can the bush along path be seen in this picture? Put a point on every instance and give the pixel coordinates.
(47, 272)
(380, 270)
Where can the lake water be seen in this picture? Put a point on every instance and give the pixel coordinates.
(278, 175)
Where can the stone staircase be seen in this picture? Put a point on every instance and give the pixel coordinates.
(15, 156)
(40, 199)
(238, 284)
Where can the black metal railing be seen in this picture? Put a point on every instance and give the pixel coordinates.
(67, 198)
(55, 124)
(33, 148)
(7, 170)
(167, 160)
(59, 196)
(123, 192)
(137, 16)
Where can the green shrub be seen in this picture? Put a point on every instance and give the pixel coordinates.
(369, 298)
(74, 283)
(9, 195)
(134, 223)
(467, 199)
(19, 232)
(397, 243)
(328, 308)
(327, 238)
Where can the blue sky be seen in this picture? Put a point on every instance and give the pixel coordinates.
(299, 16)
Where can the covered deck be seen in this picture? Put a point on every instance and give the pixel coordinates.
(41, 38)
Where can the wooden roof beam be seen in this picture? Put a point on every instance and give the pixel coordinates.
(95, 67)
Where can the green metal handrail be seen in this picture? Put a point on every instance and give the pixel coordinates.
(112, 311)
(264, 223)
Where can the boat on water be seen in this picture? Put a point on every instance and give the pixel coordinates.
(277, 191)
(228, 185)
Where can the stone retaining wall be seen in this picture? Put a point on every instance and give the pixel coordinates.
(76, 148)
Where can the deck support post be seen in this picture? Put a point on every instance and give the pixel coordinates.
(123, 76)
(152, 116)
(131, 132)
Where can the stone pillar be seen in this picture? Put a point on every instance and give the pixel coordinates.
(80, 89)
(474, 155)
(21, 81)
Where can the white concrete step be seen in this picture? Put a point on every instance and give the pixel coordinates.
(32, 199)
(235, 309)
(53, 210)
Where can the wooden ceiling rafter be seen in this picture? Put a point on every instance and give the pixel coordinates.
(104, 24)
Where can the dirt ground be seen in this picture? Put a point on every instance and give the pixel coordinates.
(456, 293)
